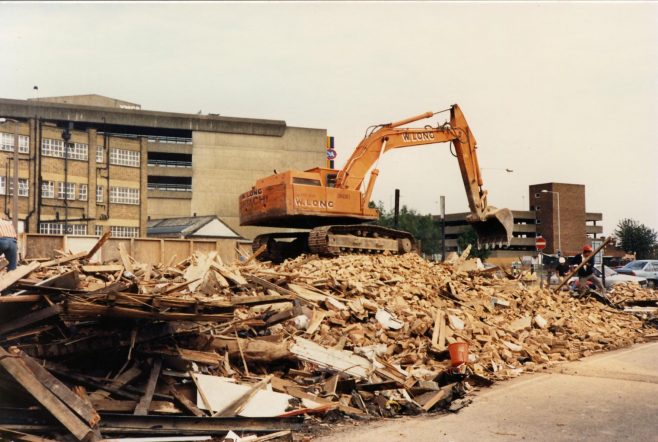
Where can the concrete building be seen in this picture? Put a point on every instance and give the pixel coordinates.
(571, 226)
(195, 164)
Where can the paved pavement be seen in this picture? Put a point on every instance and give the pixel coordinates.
(607, 397)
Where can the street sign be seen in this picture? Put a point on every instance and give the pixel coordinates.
(331, 154)
(540, 243)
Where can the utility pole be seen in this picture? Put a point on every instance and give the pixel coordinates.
(14, 199)
(66, 136)
(396, 210)
(443, 228)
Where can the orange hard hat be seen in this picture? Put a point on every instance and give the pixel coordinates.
(587, 248)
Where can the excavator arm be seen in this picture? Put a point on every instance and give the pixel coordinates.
(494, 227)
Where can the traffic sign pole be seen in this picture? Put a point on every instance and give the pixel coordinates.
(540, 244)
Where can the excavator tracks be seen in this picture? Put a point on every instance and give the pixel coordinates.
(334, 241)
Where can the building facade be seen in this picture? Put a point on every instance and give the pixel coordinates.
(73, 181)
(565, 225)
(189, 164)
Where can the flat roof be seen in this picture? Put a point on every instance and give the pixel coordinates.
(139, 121)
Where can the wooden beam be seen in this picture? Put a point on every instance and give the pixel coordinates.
(144, 403)
(63, 260)
(102, 240)
(585, 261)
(125, 259)
(19, 273)
(72, 400)
(19, 371)
(31, 318)
(124, 378)
(102, 268)
(185, 402)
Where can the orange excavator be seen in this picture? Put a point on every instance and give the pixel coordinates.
(331, 204)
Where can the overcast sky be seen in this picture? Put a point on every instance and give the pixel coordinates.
(555, 91)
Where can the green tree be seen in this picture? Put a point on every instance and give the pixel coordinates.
(637, 238)
(422, 227)
(470, 237)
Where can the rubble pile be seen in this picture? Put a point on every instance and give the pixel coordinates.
(201, 347)
(509, 325)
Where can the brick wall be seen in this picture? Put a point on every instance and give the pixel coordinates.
(572, 231)
(80, 172)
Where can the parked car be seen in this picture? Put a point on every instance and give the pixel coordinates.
(645, 268)
(612, 278)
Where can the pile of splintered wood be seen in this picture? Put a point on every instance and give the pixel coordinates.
(203, 348)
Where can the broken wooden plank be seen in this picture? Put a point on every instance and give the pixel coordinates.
(336, 360)
(63, 259)
(124, 378)
(73, 401)
(108, 268)
(318, 316)
(30, 318)
(439, 332)
(228, 274)
(24, 376)
(185, 402)
(102, 240)
(20, 272)
(443, 393)
(126, 406)
(125, 258)
(144, 403)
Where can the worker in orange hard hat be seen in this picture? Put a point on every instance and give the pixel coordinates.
(586, 272)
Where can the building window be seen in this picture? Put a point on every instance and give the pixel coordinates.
(124, 195)
(51, 228)
(99, 230)
(7, 143)
(3, 185)
(23, 187)
(100, 154)
(82, 194)
(69, 192)
(122, 157)
(58, 229)
(52, 148)
(79, 151)
(55, 148)
(99, 194)
(47, 189)
(124, 232)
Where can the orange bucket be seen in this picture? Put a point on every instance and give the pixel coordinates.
(458, 353)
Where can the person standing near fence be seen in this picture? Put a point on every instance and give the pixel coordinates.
(8, 245)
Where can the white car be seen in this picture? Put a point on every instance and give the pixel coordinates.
(613, 278)
(644, 268)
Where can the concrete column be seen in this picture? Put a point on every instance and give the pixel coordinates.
(91, 182)
(143, 186)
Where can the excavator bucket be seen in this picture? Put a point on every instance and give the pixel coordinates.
(495, 230)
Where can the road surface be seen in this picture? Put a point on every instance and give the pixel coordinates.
(607, 397)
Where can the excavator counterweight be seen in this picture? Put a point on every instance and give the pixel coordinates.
(332, 203)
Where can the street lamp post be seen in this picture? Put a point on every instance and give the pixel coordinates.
(559, 237)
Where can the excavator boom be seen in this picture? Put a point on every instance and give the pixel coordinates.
(320, 197)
